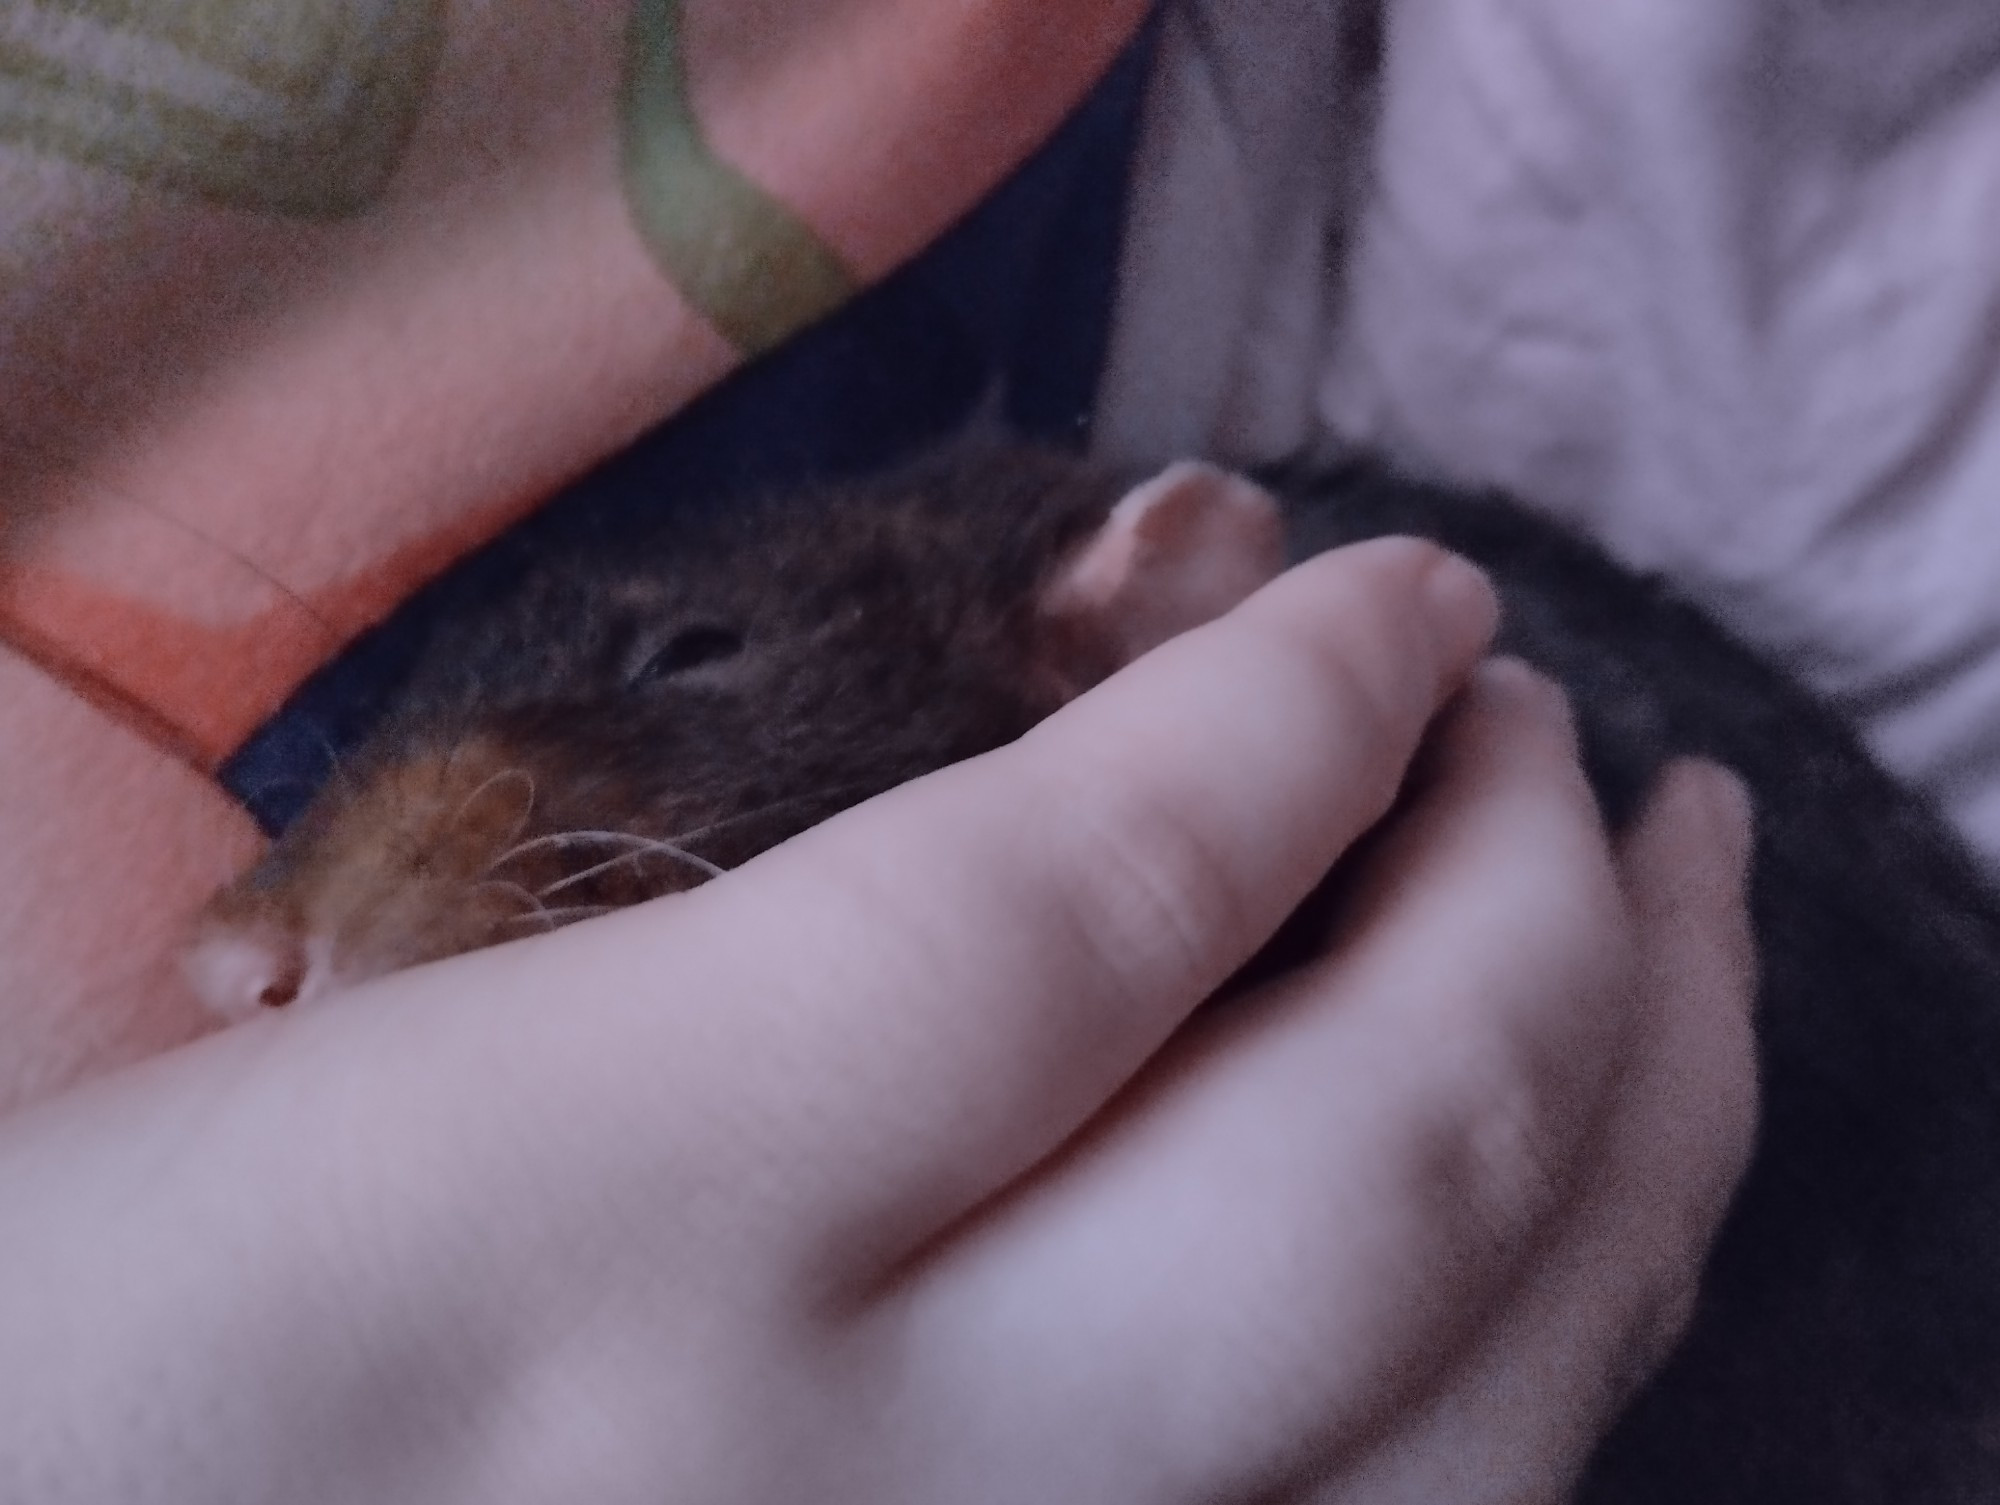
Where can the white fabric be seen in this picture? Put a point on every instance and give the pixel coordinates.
(1717, 280)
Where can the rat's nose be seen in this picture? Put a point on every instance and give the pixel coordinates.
(238, 972)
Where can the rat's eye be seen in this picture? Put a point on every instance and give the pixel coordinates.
(691, 648)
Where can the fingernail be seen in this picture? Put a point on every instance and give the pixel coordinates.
(1520, 684)
(1462, 602)
(1726, 806)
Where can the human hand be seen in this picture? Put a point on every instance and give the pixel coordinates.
(889, 1167)
(1514, 1412)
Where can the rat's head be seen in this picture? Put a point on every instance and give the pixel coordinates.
(393, 864)
(641, 711)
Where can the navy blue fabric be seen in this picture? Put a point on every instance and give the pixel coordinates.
(1013, 305)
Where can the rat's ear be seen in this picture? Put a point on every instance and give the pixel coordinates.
(1177, 551)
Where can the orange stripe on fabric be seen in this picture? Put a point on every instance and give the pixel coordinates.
(197, 688)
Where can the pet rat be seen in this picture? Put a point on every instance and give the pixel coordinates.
(648, 706)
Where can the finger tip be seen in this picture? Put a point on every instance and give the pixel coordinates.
(1716, 798)
(1518, 688)
(1689, 855)
(1453, 599)
(1463, 605)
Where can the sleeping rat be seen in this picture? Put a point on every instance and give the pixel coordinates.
(649, 705)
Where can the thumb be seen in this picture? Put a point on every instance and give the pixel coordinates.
(934, 990)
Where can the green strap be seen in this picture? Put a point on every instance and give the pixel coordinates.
(754, 269)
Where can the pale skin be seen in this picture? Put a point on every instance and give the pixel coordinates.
(899, 1166)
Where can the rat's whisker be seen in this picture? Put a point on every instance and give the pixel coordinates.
(664, 848)
(830, 792)
(566, 838)
(570, 914)
(555, 919)
(532, 904)
(638, 846)
(506, 840)
(504, 774)
(269, 787)
(337, 771)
